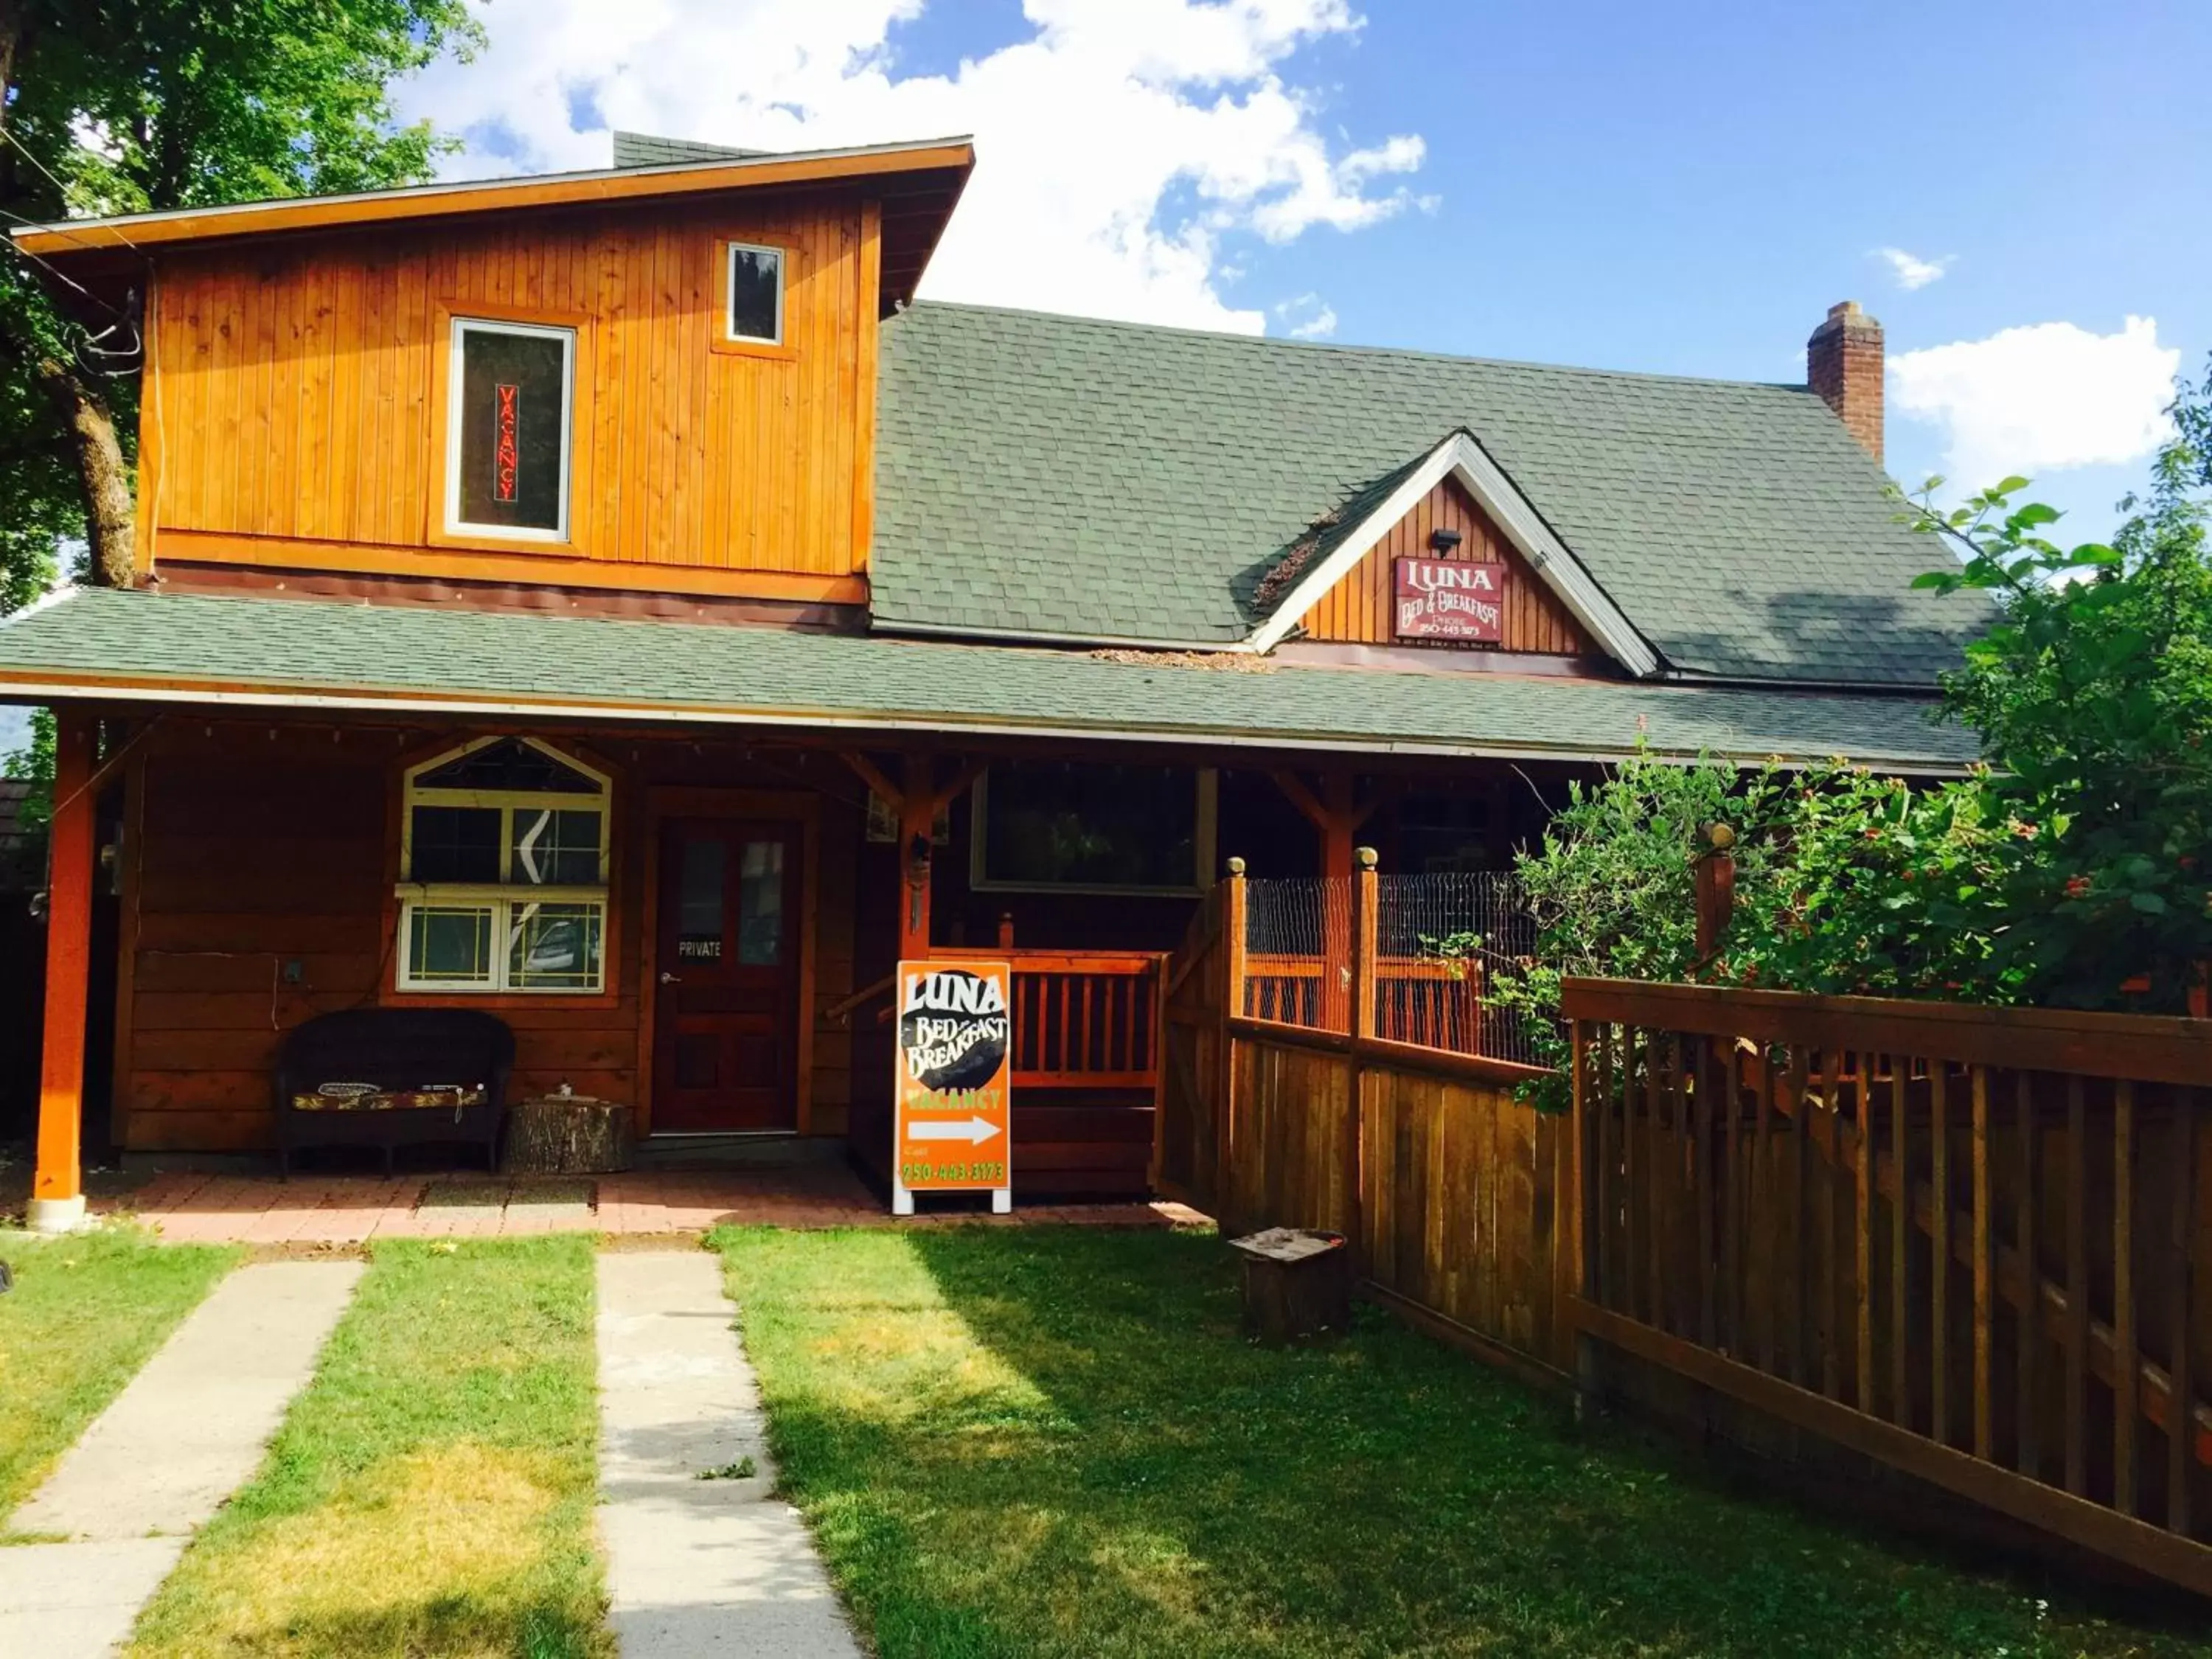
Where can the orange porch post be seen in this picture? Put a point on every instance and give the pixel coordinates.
(57, 1186)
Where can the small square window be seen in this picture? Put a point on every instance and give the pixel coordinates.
(554, 947)
(755, 309)
(449, 945)
(507, 460)
(555, 849)
(454, 844)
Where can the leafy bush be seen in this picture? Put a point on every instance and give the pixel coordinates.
(2075, 869)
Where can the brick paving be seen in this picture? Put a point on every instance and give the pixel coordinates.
(341, 1210)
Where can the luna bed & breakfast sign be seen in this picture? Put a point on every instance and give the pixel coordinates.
(954, 1070)
(1450, 599)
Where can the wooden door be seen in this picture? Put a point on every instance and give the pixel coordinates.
(726, 1037)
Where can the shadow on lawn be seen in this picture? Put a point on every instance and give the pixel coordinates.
(1384, 1495)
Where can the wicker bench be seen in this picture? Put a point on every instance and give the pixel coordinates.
(389, 1078)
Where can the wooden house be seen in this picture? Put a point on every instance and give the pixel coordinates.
(613, 600)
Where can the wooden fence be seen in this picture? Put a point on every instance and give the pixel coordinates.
(2000, 1297)
(1446, 1184)
(1961, 1240)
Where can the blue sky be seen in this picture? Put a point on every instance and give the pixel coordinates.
(1681, 189)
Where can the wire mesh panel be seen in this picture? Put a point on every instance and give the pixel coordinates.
(1439, 942)
(1298, 945)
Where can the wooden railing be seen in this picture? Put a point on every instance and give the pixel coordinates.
(1433, 1001)
(1961, 1241)
(1083, 1019)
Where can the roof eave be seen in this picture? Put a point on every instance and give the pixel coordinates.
(50, 687)
(144, 232)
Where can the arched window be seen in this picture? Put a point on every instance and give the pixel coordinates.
(503, 870)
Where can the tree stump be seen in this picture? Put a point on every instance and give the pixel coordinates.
(568, 1134)
(1298, 1285)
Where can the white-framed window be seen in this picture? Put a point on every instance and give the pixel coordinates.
(510, 397)
(503, 870)
(752, 308)
(1081, 827)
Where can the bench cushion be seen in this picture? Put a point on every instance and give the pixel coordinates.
(452, 1097)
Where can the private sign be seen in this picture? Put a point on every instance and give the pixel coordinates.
(1451, 600)
(955, 1067)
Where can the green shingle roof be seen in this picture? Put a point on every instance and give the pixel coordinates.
(1063, 476)
(643, 150)
(113, 643)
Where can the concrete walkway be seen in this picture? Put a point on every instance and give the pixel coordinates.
(696, 1567)
(182, 1435)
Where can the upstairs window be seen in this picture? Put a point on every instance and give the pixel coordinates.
(755, 308)
(503, 871)
(511, 387)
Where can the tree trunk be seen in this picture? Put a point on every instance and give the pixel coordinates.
(90, 426)
(568, 1134)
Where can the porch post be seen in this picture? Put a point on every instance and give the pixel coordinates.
(917, 823)
(57, 1186)
(1339, 826)
(1366, 900)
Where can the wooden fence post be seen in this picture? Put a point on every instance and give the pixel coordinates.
(1233, 938)
(1365, 891)
(1572, 1215)
(1715, 888)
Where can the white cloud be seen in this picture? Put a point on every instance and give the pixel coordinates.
(1308, 317)
(2040, 398)
(1118, 144)
(1912, 271)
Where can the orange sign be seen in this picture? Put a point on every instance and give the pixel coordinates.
(955, 1073)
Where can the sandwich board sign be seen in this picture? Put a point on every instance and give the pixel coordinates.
(953, 1128)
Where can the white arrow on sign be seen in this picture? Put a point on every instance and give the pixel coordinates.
(975, 1130)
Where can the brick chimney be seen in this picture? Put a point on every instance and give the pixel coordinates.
(1843, 362)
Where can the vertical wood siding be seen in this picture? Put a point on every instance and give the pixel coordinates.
(1358, 609)
(292, 383)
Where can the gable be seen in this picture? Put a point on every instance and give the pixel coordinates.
(1361, 608)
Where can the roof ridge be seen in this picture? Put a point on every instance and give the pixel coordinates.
(1276, 343)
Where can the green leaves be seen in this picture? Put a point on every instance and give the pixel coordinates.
(2078, 864)
(176, 103)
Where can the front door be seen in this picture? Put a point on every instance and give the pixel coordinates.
(725, 1014)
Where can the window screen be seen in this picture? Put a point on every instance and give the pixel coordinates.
(756, 294)
(509, 463)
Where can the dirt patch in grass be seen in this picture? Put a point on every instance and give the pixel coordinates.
(88, 1310)
(431, 1492)
(1054, 1442)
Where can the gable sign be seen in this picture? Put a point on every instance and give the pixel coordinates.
(1450, 599)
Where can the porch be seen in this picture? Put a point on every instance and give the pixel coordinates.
(341, 1211)
(709, 941)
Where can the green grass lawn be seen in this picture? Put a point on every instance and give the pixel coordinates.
(87, 1312)
(431, 1491)
(1053, 1442)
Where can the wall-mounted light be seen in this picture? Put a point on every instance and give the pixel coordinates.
(1445, 542)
